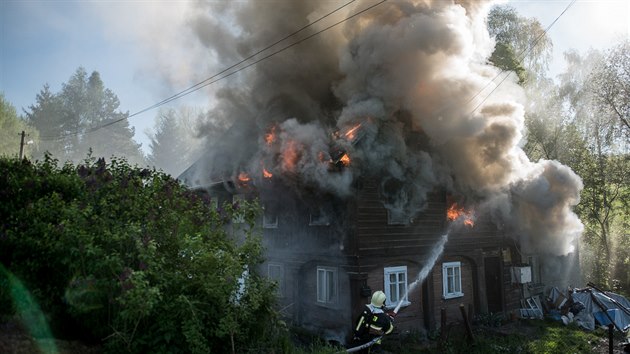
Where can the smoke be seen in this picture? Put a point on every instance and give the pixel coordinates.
(412, 78)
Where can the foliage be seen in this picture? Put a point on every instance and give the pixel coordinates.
(503, 58)
(131, 257)
(611, 84)
(603, 164)
(520, 41)
(11, 126)
(83, 116)
(173, 144)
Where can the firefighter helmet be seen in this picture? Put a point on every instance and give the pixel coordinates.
(378, 299)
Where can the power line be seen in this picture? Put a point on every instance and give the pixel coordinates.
(524, 53)
(209, 80)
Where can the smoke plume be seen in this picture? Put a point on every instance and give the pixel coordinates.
(403, 91)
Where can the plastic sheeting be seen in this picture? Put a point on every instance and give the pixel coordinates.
(617, 307)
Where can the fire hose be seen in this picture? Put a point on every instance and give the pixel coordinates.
(376, 339)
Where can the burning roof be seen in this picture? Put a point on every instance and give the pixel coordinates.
(400, 92)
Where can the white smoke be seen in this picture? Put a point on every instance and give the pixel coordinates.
(414, 74)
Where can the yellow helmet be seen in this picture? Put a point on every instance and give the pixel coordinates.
(378, 299)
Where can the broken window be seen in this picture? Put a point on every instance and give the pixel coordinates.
(239, 216)
(326, 285)
(275, 272)
(452, 280)
(396, 285)
(397, 218)
(319, 218)
(270, 218)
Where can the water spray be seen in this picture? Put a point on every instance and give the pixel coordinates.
(435, 254)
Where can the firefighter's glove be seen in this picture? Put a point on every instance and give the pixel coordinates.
(391, 315)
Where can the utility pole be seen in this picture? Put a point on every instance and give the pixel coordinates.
(22, 144)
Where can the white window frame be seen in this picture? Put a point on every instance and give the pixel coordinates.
(277, 276)
(456, 275)
(401, 286)
(327, 276)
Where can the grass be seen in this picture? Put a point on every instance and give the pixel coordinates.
(527, 336)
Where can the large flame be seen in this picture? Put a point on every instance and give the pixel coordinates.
(270, 137)
(455, 212)
(290, 156)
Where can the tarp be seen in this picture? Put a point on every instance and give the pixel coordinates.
(595, 302)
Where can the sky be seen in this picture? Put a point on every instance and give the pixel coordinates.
(144, 50)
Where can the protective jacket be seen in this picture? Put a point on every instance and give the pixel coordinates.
(372, 323)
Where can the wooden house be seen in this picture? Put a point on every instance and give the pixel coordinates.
(329, 253)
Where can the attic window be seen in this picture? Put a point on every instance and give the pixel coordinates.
(317, 218)
(397, 218)
(452, 280)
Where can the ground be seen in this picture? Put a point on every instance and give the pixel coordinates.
(14, 339)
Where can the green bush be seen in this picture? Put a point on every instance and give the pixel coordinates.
(131, 257)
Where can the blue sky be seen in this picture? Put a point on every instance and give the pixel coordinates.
(144, 53)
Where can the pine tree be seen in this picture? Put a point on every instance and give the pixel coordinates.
(172, 147)
(83, 117)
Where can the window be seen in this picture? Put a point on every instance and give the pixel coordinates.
(318, 219)
(452, 279)
(270, 219)
(275, 272)
(396, 218)
(326, 285)
(238, 217)
(396, 285)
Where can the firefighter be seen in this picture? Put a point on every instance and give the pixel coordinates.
(373, 323)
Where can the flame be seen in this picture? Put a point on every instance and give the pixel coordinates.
(271, 136)
(266, 173)
(345, 159)
(352, 132)
(290, 156)
(455, 212)
(243, 177)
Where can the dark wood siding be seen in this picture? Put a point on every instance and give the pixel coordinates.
(375, 237)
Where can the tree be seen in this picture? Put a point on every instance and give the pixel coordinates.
(522, 44)
(83, 117)
(11, 126)
(611, 84)
(604, 165)
(173, 145)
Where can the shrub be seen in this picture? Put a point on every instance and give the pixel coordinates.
(129, 256)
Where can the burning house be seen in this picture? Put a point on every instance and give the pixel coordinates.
(386, 157)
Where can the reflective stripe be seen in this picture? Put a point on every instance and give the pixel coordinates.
(360, 323)
(376, 327)
(391, 328)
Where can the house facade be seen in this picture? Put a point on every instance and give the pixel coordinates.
(328, 254)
